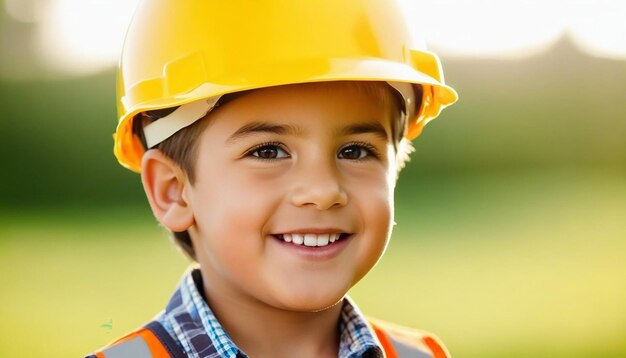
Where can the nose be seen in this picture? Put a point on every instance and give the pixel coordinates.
(319, 186)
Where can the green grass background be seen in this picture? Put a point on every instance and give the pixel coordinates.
(511, 235)
(516, 265)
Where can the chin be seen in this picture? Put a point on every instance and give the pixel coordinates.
(310, 300)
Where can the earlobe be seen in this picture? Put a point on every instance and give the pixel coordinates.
(164, 183)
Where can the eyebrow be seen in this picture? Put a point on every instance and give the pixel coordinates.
(263, 127)
(364, 128)
(284, 129)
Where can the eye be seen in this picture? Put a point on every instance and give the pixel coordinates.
(269, 151)
(357, 152)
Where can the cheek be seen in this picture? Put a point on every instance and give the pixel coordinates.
(230, 216)
(378, 223)
(372, 191)
(231, 211)
(374, 200)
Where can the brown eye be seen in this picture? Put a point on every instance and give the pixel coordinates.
(353, 152)
(269, 152)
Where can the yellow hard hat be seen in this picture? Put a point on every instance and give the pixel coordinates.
(185, 51)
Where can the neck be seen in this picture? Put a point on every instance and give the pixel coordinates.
(261, 330)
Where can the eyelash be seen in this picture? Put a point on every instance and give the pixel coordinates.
(250, 153)
(369, 148)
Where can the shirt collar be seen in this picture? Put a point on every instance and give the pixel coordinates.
(356, 337)
(189, 319)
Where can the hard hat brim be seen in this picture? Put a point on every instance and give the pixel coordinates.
(126, 149)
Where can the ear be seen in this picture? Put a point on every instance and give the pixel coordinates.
(165, 183)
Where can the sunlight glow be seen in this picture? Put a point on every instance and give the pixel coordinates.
(488, 28)
(513, 29)
(83, 36)
(601, 29)
(25, 11)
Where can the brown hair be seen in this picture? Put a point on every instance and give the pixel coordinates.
(182, 146)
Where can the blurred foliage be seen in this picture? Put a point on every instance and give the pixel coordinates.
(59, 150)
(561, 109)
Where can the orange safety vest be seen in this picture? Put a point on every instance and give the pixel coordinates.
(152, 341)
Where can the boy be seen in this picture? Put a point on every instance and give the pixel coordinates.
(269, 135)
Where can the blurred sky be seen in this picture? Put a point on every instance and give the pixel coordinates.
(85, 36)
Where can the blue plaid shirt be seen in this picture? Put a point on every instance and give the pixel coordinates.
(190, 321)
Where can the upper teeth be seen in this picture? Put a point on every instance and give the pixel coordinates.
(311, 239)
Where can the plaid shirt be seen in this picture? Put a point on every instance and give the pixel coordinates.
(190, 321)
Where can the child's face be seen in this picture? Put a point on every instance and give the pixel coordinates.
(300, 159)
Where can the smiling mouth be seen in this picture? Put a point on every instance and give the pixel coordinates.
(312, 240)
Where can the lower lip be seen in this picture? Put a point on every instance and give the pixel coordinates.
(317, 253)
